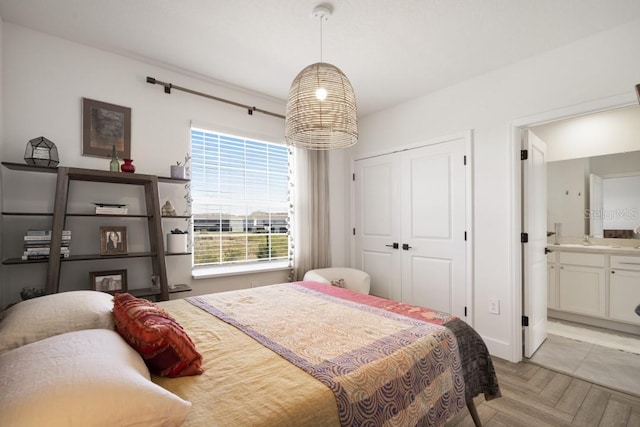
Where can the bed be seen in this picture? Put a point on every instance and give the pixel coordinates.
(293, 354)
(333, 336)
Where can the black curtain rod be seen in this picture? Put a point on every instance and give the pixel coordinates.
(250, 109)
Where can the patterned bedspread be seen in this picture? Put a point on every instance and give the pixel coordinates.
(386, 363)
(479, 373)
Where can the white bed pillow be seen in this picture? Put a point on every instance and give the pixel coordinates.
(84, 378)
(49, 315)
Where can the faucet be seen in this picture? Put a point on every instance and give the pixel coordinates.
(585, 240)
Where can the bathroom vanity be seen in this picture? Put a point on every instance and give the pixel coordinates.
(594, 284)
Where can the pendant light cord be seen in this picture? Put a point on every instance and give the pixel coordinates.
(321, 18)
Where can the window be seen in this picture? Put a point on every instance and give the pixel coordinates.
(240, 192)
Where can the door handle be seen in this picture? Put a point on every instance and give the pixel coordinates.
(405, 247)
(393, 245)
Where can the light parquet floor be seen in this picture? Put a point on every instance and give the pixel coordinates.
(533, 396)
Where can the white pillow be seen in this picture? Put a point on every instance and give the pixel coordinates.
(45, 316)
(83, 378)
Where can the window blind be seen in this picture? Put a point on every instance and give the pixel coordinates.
(240, 199)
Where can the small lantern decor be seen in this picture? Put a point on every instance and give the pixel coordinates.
(41, 152)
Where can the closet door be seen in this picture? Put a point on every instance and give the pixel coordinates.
(433, 227)
(377, 223)
(415, 199)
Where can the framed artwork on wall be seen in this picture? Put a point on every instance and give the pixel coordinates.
(103, 126)
(109, 281)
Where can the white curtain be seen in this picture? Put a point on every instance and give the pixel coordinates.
(311, 211)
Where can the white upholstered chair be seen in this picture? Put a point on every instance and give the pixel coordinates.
(355, 280)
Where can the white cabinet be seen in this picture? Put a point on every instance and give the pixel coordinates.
(552, 281)
(597, 285)
(581, 283)
(624, 283)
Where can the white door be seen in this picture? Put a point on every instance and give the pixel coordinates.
(416, 199)
(433, 227)
(377, 223)
(534, 196)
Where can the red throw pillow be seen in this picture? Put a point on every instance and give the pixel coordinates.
(163, 344)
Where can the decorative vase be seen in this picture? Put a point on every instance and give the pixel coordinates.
(177, 243)
(177, 171)
(127, 166)
(114, 165)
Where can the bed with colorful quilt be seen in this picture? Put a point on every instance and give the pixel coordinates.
(294, 354)
(317, 355)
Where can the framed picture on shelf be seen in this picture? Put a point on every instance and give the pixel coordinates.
(109, 281)
(103, 126)
(113, 240)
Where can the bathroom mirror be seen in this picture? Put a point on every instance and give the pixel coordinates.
(598, 196)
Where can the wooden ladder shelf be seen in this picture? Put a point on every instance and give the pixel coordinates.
(154, 220)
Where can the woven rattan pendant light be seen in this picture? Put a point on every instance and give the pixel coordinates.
(321, 110)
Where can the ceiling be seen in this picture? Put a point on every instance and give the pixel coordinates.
(391, 50)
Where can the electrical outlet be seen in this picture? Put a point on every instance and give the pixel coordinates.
(494, 306)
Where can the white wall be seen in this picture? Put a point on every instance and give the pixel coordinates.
(597, 67)
(44, 79)
(624, 162)
(608, 132)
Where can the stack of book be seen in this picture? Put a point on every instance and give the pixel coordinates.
(37, 244)
(111, 209)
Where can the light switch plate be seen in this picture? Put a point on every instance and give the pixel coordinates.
(494, 306)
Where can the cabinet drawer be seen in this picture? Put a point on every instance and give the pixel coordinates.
(592, 260)
(625, 262)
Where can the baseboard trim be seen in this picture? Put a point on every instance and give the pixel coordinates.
(500, 349)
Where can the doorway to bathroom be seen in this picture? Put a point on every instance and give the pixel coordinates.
(584, 151)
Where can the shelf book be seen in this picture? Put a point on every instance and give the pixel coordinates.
(34, 256)
(111, 209)
(37, 244)
(34, 234)
(38, 240)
